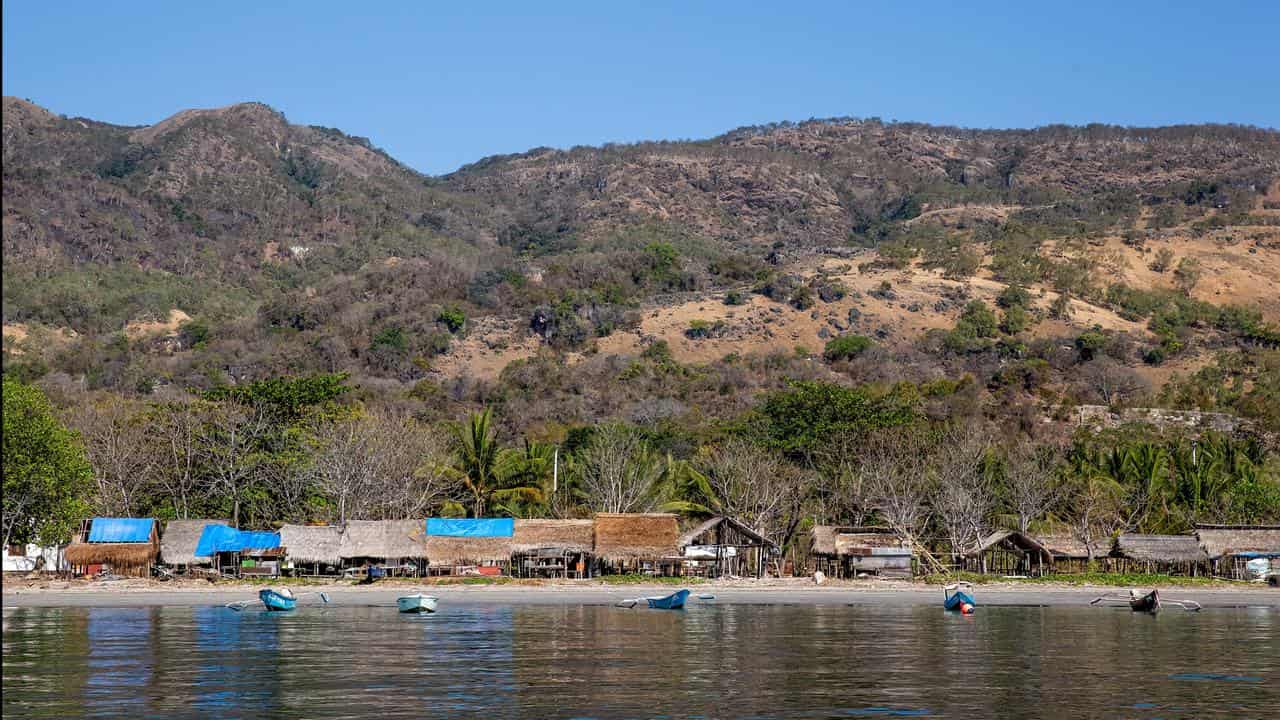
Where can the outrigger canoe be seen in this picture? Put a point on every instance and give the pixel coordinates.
(959, 597)
(1145, 603)
(416, 603)
(278, 600)
(674, 601)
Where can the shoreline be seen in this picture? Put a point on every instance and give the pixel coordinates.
(792, 591)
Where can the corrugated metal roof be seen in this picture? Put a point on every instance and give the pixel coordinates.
(121, 530)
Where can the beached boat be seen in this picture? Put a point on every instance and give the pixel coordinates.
(674, 601)
(278, 600)
(1145, 603)
(959, 597)
(416, 603)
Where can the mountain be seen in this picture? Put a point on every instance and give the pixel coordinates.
(291, 248)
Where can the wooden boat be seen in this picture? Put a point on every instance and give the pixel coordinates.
(278, 600)
(416, 603)
(959, 597)
(674, 601)
(1144, 603)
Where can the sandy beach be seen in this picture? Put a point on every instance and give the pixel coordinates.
(791, 591)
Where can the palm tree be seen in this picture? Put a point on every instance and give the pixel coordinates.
(483, 468)
(526, 479)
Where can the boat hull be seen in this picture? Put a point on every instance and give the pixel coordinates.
(416, 604)
(275, 602)
(674, 601)
(1147, 603)
(957, 600)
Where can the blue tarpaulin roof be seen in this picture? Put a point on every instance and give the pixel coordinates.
(478, 527)
(220, 538)
(121, 530)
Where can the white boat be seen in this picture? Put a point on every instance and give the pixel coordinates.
(416, 603)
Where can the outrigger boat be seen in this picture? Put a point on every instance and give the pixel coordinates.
(418, 603)
(959, 597)
(276, 600)
(1149, 603)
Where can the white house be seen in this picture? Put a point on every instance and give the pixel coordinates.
(25, 558)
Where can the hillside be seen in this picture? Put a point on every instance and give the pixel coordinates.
(223, 245)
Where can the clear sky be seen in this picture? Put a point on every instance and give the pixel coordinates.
(441, 84)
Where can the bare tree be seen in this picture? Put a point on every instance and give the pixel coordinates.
(230, 450)
(842, 493)
(118, 441)
(619, 470)
(895, 474)
(1114, 383)
(1031, 484)
(1094, 512)
(964, 495)
(757, 487)
(177, 430)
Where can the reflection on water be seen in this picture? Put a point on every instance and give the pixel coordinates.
(711, 661)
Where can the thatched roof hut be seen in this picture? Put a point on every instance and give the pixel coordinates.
(1223, 540)
(737, 530)
(1160, 548)
(1015, 541)
(311, 543)
(1068, 547)
(636, 536)
(178, 544)
(114, 554)
(387, 539)
(452, 550)
(569, 535)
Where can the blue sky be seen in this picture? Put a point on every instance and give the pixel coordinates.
(438, 86)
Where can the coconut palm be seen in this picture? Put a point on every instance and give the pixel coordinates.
(484, 469)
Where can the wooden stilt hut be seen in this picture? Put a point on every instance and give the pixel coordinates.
(394, 545)
(469, 546)
(642, 543)
(1234, 549)
(844, 552)
(1070, 555)
(311, 549)
(552, 548)
(723, 546)
(1009, 552)
(178, 544)
(1164, 554)
(122, 546)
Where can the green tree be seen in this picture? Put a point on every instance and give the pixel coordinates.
(484, 470)
(46, 475)
(846, 347)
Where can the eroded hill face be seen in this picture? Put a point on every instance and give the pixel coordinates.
(283, 248)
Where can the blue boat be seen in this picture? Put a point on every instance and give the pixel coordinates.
(276, 601)
(674, 601)
(959, 597)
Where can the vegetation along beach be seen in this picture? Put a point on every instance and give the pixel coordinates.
(680, 360)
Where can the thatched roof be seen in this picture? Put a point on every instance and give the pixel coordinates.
(571, 535)
(311, 543)
(1220, 540)
(178, 544)
(1066, 546)
(1160, 548)
(117, 554)
(1013, 540)
(636, 536)
(691, 536)
(389, 539)
(451, 550)
(840, 539)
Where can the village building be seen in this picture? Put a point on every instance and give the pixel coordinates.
(1242, 552)
(178, 545)
(32, 557)
(552, 548)
(469, 546)
(395, 547)
(1010, 552)
(845, 552)
(311, 550)
(724, 547)
(1163, 554)
(121, 546)
(639, 543)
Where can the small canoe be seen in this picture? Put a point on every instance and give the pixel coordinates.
(1145, 603)
(674, 601)
(277, 601)
(416, 603)
(959, 597)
